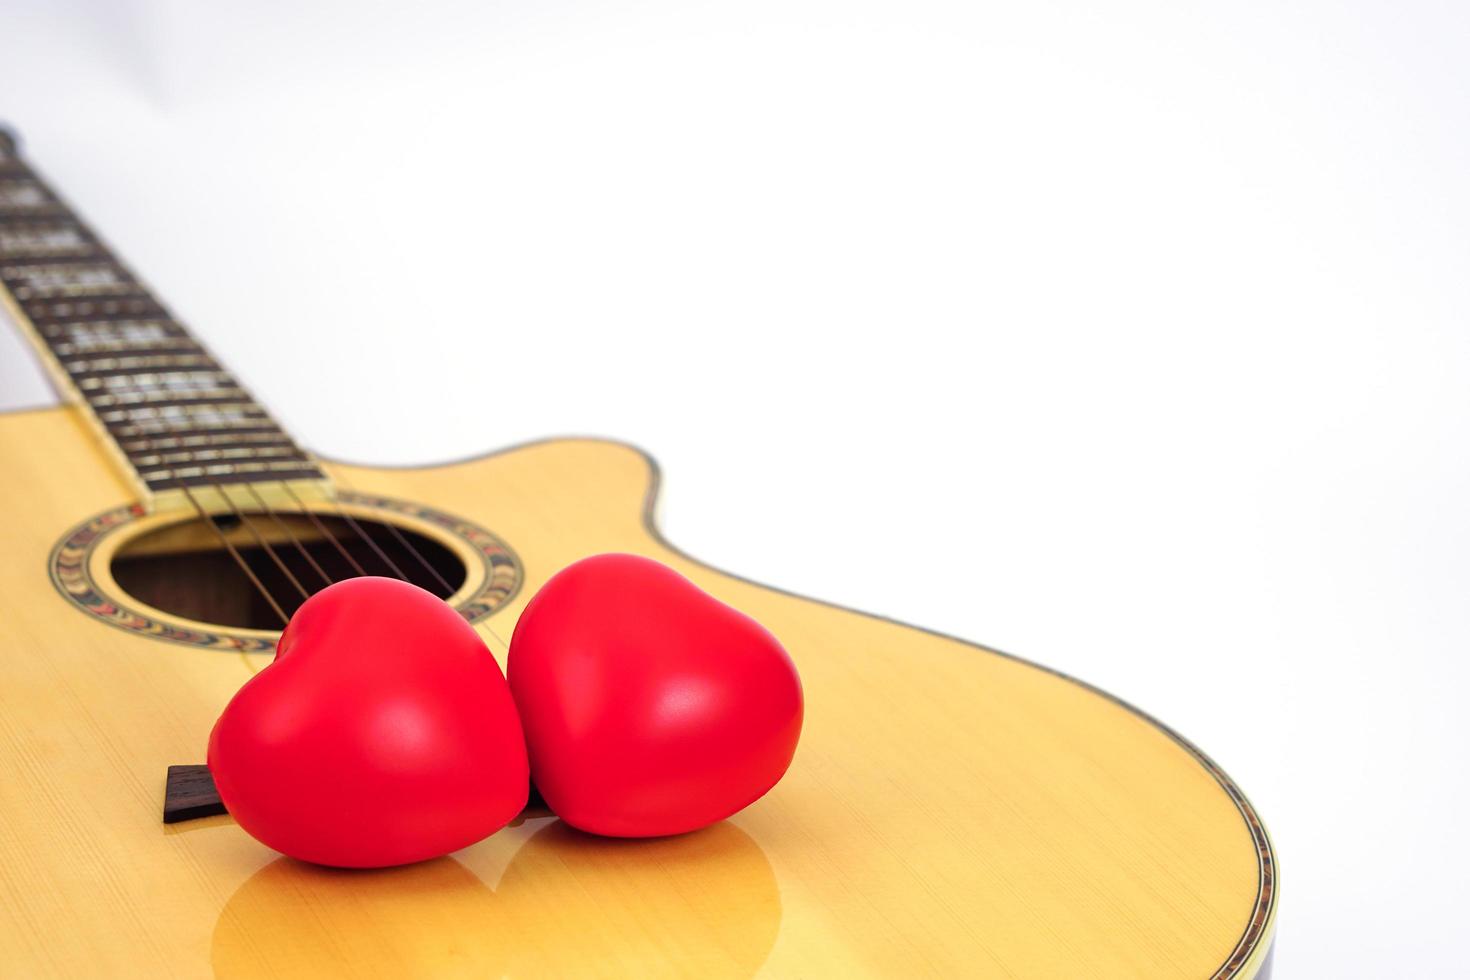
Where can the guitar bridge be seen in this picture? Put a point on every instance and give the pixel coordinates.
(189, 794)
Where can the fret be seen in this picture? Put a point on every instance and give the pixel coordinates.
(68, 280)
(131, 430)
(221, 414)
(17, 193)
(214, 414)
(175, 414)
(23, 198)
(167, 460)
(97, 286)
(126, 423)
(181, 381)
(235, 465)
(235, 470)
(45, 242)
(230, 440)
(89, 335)
(143, 366)
(208, 396)
(97, 310)
(162, 347)
(153, 466)
(23, 193)
(228, 473)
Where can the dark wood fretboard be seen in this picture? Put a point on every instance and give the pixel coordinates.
(174, 415)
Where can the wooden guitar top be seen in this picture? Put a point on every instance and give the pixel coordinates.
(951, 810)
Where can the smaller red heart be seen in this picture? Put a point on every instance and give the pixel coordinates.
(649, 706)
(383, 733)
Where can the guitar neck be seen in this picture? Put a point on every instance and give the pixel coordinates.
(178, 423)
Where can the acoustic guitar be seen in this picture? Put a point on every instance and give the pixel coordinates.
(952, 810)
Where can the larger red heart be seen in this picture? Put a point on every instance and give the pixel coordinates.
(649, 707)
(382, 733)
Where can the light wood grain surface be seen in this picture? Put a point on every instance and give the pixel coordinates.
(950, 811)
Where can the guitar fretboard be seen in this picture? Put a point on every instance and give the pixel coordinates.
(177, 417)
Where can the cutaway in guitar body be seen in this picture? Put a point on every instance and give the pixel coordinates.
(951, 810)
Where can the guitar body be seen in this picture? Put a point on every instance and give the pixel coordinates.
(951, 810)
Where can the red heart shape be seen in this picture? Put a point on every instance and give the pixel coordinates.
(650, 707)
(382, 733)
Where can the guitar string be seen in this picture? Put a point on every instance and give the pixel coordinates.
(357, 528)
(349, 520)
(286, 528)
(322, 528)
(484, 626)
(255, 580)
(264, 544)
(409, 547)
(448, 589)
(398, 536)
(403, 540)
(239, 560)
(377, 549)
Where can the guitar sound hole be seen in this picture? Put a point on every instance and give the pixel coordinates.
(185, 570)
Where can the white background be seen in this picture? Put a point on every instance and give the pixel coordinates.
(1134, 338)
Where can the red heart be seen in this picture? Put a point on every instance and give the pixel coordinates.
(650, 707)
(382, 733)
